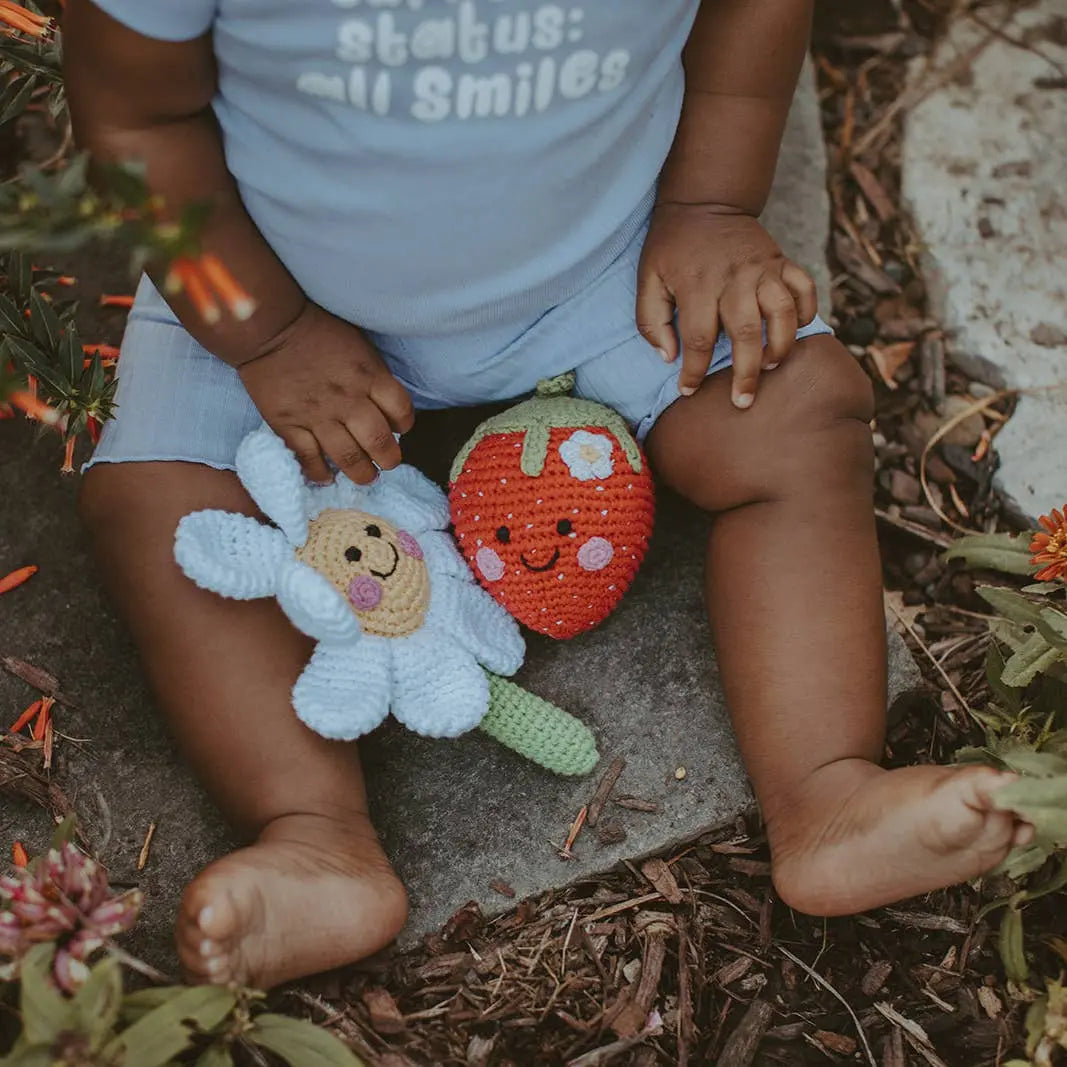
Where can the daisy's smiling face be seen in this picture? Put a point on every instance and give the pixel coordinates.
(377, 568)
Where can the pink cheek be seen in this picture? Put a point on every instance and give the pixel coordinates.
(489, 564)
(364, 593)
(595, 554)
(408, 545)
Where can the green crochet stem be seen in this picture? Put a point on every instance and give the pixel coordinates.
(538, 730)
(550, 409)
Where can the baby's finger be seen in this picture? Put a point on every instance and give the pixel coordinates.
(339, 444)
(800, 283)
(779, 310)
(309, 455)
(698, 325)
(394, 402)
(744, 326)
(655, 316)
(372, 433)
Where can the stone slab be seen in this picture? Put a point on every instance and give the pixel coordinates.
(798, 211)
(454, 815)
(983, 174)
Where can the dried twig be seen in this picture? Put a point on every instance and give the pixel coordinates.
(819, 980)
(603, 790)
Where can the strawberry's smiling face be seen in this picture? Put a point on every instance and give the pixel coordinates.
(557, 550)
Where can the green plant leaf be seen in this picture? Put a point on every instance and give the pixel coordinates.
(1034, 658)
(29, 1056)
(1024, 760)
(1006, 553)
(19, 101)
(1006, 695)
(71, 357)
(216, 1056)
(1010, 604)
(1041, 802)
(166, 1031)
(43, 321)
(1043, 588)
(1035, 1024)
(10, 319)
(1019, 863)
(98, 1001)
(137, 1005)
(65, 831)
(45, 1013)
(1012, 952)
(300, 1043)
(1056, 621)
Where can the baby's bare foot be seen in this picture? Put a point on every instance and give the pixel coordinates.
(860, 837)
(310, 895)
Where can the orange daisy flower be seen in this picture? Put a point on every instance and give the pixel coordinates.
(1049, 548)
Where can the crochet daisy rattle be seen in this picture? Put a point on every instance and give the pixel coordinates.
(371, 573)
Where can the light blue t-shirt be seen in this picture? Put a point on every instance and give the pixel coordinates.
(432, 166)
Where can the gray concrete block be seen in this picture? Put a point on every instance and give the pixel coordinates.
(983, 163)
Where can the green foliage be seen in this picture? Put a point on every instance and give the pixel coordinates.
(1026, 732)
(1007, 553)
(153, 1027)
(39, 338)
(31, 65)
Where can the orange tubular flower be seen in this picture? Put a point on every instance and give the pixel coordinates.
(16, 578)
(110, 300)
(29, 405)
(240, 304)
(16, 19)
(26, 717)
(19, 857)
(1049, 548)
(68, 456)
(186, 276)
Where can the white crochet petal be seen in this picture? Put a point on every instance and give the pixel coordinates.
(407, 498)
(442, 556)
(464, 611)
(438, 689)
(314, 606)
(233, 555)
(344, 690)
(272, 476)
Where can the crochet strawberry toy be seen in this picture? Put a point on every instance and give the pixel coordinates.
(552, 503)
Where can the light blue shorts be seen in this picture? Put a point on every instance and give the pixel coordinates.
(175, 401)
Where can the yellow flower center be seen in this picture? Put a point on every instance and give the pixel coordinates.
(376, 567)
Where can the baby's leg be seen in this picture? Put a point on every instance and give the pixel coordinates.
(795, 598)
(315, 891)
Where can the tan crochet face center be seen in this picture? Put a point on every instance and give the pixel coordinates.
(377, 568)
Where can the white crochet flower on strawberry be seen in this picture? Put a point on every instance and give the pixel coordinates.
(587, 455)
(373, 575)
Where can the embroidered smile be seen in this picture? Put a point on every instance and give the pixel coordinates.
(354, 555)
(547, 567)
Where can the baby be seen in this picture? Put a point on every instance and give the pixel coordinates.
(437, 203)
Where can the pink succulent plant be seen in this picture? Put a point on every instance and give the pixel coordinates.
(62, 897)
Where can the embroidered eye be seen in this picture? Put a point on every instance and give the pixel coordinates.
(503, 535)
(374, 531)
(564, 527)
(353, 554)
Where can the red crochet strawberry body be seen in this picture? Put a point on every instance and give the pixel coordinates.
(554, 519)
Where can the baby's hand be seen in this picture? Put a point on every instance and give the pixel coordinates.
(326, 392)
(721, 272)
